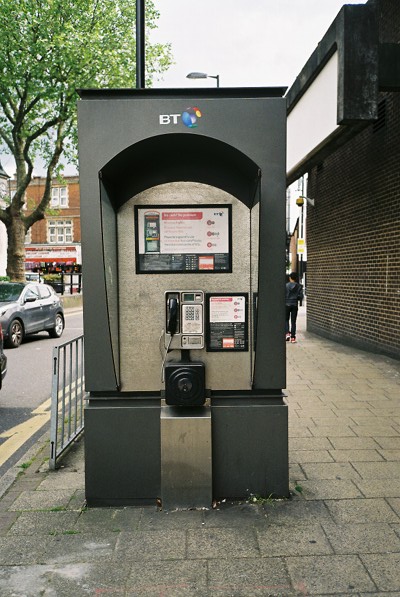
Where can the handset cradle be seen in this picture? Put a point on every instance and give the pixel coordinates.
(184, 320)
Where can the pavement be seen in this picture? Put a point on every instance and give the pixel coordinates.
(339, 533)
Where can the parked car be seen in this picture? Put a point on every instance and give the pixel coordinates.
(3, 359)
(33, 277)
(27, 308)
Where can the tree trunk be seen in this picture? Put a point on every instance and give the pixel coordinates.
(16, 249)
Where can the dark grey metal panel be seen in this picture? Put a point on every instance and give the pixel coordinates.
(357, 40)
(99, 365)
(250, 451)
(270, 357)
(389, 67)
(110, 255)
(122, 454)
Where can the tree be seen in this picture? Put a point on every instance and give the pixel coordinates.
(48, 50)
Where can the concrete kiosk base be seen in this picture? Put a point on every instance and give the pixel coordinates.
(130, 461)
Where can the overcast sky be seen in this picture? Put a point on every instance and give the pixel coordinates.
(246, 42)
(249, 43)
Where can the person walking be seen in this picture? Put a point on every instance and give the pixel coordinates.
(294, 295)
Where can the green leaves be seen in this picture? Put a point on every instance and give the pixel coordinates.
(48, 50)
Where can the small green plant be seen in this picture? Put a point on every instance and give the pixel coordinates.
(70, 532)
(48, 278)
(4, 278)
(255, 498)
(298, 488)
(25, 465)
(57, 509)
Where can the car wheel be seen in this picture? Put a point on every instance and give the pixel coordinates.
(58, 328)
(15, 334)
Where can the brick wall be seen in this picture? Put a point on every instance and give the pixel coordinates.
(72, 212)
(353, 279)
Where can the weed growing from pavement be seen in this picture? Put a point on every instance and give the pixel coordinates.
(255, 498)
(26, 464)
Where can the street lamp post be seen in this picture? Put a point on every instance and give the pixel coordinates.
(196, 75)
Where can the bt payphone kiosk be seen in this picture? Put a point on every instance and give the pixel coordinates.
(183, 221)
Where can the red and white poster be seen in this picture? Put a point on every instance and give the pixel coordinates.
(181, 238)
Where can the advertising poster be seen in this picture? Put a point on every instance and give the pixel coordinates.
(183, 239)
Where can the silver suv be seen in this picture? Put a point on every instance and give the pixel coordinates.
(28, 308)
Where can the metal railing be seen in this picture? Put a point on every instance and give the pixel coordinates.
(67, 283)
(67, 397)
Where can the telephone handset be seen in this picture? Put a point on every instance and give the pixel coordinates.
(184, 319)
(172, 315)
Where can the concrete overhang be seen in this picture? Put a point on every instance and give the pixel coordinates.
(336, 93)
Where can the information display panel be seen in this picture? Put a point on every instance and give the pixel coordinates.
(183, 239)
(226, 317)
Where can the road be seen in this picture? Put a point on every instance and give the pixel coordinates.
(24, 398)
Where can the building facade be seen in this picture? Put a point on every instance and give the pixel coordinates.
(54, 243)
(353, 231)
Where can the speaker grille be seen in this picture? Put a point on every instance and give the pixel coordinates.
(185, 384)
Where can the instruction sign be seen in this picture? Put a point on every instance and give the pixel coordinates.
(227, 322)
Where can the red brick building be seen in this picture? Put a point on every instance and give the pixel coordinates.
(55, 242)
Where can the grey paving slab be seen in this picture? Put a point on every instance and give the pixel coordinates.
(361, 538)
(172, 519)
(78, 547)
(111, 519)
(297, 512)
(302, 456)
(330, 470)
(296, 473)
(222, 543)
(377, 470)
(332, 489)
(151, 545)
(332, 431)
(60, 479)
(361, 510)
(21, 550)
(69, 580)
(372, 488)
(372, 455)
(390, 455)
(49, 523)
(42, 500)
(234, 516)
(354, 443)
(387, 594)
(242, 578)
(332, 575)
(384, 570)
(311, 443)
(373, 430)
(176, 578)
(292, 540)
(395, 504)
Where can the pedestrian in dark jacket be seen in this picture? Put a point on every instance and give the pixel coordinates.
(294, 295)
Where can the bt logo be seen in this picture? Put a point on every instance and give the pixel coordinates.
(189, 117)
